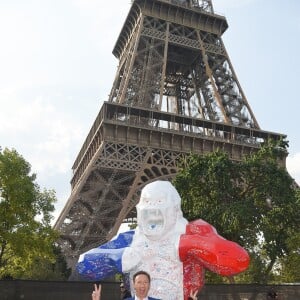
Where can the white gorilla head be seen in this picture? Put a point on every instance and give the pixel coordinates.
(159, 210)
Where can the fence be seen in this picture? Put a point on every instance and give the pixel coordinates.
(77, 290)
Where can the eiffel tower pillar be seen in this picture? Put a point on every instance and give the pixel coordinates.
(175, 92)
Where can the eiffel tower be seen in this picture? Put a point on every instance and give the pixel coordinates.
(175, 92)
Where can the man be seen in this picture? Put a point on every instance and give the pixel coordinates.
(141, 286)
(124, 292)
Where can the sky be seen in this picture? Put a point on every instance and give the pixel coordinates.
(57, 67)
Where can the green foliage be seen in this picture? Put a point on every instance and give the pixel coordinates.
(132, 225)
(289, 265)
(47, 268)
(251, 202)
(26, 234)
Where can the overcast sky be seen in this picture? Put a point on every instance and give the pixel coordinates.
(56, 68)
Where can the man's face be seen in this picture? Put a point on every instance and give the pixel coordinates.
(141, 285)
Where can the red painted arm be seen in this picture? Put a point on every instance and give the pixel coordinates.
(202, 248)
(203, 244)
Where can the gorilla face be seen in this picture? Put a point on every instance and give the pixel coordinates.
(156, 222)
(157, 210)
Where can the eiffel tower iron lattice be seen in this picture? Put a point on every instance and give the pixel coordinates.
(175, 92)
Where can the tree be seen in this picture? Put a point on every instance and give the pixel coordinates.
(25, 230)
(252, 202)
(289, 265)
(48, 269)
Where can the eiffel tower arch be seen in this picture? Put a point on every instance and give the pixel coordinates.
(175, 92)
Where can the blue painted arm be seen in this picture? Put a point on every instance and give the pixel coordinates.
(105, 260)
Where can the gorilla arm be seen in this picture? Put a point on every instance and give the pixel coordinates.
(202, 244)
(106, 260)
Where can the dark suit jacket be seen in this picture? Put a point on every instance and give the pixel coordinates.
(126, 295)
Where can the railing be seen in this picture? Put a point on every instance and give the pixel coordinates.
(198, 4)
(164, 121)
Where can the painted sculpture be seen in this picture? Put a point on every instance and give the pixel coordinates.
(174, 252)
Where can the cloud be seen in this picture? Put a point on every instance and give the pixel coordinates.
(44, 129)
(220, 5)
(293, 166)
(40, 130)
(103, 14)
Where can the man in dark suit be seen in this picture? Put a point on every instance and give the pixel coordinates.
(141, 285)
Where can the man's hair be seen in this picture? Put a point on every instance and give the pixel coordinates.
(141, 273)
